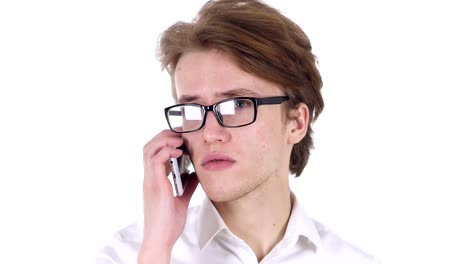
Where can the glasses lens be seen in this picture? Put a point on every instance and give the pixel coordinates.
(185, 117)
(236, 112)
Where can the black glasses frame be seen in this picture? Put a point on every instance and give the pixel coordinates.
(206, 108)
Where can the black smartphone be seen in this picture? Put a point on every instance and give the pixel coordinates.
(180, 166)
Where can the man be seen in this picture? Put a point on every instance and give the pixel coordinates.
(249, 74)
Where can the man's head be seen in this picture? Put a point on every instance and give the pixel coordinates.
(260, 41)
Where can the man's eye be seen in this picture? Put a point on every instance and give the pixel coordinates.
(241, 103)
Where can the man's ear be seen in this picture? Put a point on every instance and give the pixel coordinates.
(298, 123)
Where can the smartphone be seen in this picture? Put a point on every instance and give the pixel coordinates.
(180, 166)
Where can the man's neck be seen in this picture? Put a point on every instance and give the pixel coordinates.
(260, 218)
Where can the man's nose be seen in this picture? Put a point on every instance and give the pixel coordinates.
(212, 130)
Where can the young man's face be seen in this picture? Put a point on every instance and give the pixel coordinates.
(232, 162)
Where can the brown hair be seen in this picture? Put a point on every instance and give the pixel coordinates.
(262, 42)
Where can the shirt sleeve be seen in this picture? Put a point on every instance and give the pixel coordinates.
(375, 261)
(118, 251)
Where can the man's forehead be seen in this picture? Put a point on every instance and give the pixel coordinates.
(183, 98)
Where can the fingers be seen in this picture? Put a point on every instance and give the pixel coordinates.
(155, 179)
(163, 139)
(156, 154)
(166, 138)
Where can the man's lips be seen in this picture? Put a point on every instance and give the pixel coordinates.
(217, 161)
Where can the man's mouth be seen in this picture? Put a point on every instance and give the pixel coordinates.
(217, 161)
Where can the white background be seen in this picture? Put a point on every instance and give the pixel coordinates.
(81, 92)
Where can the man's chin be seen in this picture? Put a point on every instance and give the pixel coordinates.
(220, 194)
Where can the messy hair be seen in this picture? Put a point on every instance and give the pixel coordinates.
(261, 41)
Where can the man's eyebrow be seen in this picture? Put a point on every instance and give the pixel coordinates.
(226, 94)
(187, 98)
(237, 92)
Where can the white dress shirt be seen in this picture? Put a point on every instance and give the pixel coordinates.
(206, 239)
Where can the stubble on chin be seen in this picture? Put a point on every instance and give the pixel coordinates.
(222, 192)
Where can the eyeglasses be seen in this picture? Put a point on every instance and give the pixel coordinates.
(232, 112)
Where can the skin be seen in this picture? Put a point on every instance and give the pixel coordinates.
(253, 186)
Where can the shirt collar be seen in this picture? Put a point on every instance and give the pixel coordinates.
(210, 223)
(300, 224)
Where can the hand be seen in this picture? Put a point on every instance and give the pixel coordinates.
(164, 214)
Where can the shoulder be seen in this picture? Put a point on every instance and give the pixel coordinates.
(123, 247)
(330, 247)
(339, 250)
